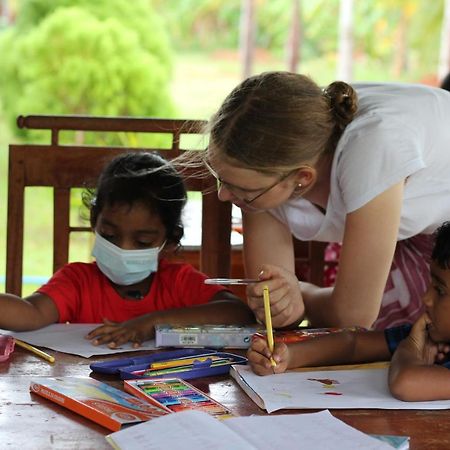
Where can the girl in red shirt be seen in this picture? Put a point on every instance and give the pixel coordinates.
(136, 216)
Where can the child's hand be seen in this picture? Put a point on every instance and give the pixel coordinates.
(117, 333)
(259, 357)
(286, 301)
(419, 344)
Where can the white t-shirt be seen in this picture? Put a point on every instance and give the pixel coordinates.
(400, 132)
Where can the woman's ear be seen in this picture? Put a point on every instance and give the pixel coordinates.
(305, 176)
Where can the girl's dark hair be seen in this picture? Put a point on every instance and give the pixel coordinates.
(142, 177)
(279, 120)
(441, 249)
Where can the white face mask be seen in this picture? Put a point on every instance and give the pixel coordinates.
(124, 267)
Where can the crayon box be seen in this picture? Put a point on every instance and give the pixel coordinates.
(97, 401)
(174, 395)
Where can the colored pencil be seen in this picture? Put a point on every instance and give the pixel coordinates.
(269, 330)
(35, 350)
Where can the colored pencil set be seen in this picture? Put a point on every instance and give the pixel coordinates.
(174, 395)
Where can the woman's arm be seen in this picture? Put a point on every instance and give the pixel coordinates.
(268, 247)
(31, 313)
(224, 308)
(367, 251)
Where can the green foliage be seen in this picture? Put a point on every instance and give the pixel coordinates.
(82, 60)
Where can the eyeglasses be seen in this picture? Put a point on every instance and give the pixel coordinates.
(240, 192)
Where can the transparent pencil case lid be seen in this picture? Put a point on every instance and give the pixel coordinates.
(6, 346)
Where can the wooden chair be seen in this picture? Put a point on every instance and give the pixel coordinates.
(64, 167)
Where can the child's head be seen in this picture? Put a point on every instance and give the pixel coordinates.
(437, 297)
(277, 121)
(142, 178)
(441, 249)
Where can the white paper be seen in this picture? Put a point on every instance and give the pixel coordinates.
(318, 431)
(350, 389)
(194, 430)
(70, 338)
(187, 430)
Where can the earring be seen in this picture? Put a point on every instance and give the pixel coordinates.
(299, 185)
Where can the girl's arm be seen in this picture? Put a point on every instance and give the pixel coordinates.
(268, 247)
(224, 308)
(413, 376)
(345, 347)
(368, 248)
(31, 313)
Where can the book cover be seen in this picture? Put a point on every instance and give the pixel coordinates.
(96, 401)
(174, 395)
(398, 442)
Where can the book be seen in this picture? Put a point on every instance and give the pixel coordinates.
(175, 395)
(96, 401)
(194, 430)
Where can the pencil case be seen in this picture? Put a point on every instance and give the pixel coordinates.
(6, 347)
(135, 368)
(209, 336)
(302, 334)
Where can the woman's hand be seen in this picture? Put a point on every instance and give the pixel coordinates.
(286, 302)
(259, 357)
(116, 334)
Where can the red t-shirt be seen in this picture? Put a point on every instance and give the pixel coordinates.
(83, 294)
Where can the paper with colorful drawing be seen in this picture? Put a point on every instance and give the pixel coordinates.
(344, 389)
(70, 338)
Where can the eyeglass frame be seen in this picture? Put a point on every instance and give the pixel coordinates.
(232, 188)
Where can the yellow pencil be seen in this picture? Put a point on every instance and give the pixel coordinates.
(268, 323)
(35, 350)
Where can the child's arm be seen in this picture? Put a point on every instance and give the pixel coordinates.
(344, 347)
(224, 308)
(31, 313)
(413, 376)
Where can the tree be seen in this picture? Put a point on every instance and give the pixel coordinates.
(345, 55)
(444, 54)
(75, 61)
(294, 38)
(246, 41)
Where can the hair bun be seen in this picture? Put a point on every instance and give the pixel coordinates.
(343, 102)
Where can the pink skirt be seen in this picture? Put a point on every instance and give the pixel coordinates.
(408, 281)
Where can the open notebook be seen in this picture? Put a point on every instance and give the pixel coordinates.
(194, 430)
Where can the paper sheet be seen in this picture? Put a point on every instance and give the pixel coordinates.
(69, 338)
(194, 430)
(350, 389)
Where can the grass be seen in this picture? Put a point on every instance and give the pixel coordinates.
(199, 85)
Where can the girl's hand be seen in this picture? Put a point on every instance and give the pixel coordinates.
(286, 302)
(419, 344)
(116, 334)
(259, 357)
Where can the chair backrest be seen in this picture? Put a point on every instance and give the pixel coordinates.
(64, 167)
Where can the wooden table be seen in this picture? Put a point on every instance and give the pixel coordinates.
(28, 421)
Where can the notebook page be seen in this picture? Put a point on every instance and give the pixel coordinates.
(187, 430)
(318, 431)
